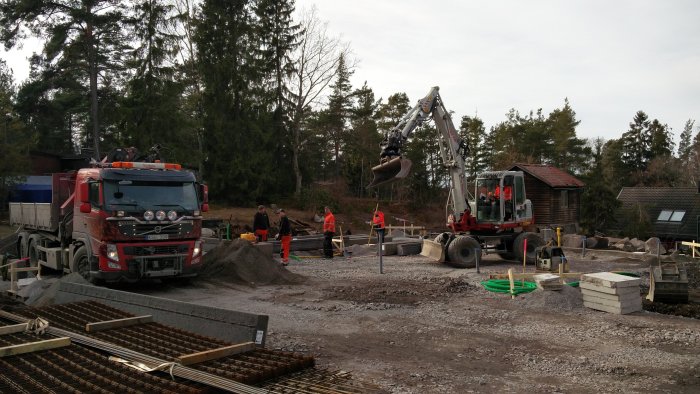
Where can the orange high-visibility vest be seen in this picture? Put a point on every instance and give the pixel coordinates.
(329, 223)
(378, 219)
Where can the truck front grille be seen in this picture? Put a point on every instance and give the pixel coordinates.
(155, 250)
(134, 229)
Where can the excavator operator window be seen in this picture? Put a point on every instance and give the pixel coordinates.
(486, 202)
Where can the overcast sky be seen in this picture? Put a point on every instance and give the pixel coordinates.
(610, 58)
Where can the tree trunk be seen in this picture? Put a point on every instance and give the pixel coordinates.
(92, 50)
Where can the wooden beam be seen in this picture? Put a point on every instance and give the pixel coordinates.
(194, 358)
(13, 329)
(118, 323)
(23, 269)
(34, 346)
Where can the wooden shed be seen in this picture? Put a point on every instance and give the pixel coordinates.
(555, 195)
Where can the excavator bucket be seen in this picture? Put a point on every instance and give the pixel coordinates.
(392, 170)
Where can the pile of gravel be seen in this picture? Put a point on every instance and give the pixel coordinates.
(361, 250)
(567, 299)
(239, 262)
(43, 292)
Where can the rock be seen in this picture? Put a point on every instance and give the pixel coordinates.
(625, 246)
(638, 245)
(591, 242)
(597, 243)
(207, 232)
(572, 240)
(652, 245)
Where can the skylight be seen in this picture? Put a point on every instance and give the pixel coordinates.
(668, 215)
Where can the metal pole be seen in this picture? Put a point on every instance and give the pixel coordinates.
(583, 251)
(380, 249)
(478, 257)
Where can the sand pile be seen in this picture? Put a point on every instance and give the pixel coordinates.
(567, 299)
(240, 262)
(42, 292)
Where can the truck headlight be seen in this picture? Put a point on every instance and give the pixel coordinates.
(172, 215)
(197, 248)
(160, 215)
(148, 215)
(112, 253)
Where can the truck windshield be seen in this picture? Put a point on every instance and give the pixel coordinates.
(141, 196)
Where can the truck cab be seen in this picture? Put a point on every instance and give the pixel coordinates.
(122, 221)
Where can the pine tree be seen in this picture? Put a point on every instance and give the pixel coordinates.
(661, 141)
(685, 144)
(636, 143)
(598, 202)
(473, 133)
(339, 107)
(83, 38)
(363, 145)
(568, 152)
(397, 105)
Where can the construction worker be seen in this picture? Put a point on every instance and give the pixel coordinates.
(328, 233)
(285, 235)
(378, 224)
(261, 224)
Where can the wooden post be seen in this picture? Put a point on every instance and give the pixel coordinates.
(524, 257)
(512, 285)
(371, 224)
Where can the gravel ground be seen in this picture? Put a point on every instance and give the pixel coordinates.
(423, 327)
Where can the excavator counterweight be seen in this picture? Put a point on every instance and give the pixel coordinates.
(390, 171)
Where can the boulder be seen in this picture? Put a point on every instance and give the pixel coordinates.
(597, 243)
(652, 244)
(637, 244)
(572, 240)
(624, 245)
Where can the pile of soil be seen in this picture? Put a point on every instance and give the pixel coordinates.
(687, 310)
(240, 262)
(567, 299)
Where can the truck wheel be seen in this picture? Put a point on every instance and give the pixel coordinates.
(462, 252)
(533, 242)
(81, 263)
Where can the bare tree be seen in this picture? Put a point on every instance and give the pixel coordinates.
(316, 60)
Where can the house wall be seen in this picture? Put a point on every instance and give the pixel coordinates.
(548, 207)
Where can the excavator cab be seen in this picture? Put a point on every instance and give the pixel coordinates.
(390, 170)
(500, 197)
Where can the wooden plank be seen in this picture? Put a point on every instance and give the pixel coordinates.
(529, 275)
(13, 329)
(207, 355)
(512, 285)
(118, 323)
(23, 269)
(34, 346)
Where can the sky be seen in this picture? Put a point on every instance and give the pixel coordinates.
(609, 58)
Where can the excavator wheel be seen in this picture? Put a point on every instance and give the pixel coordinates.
(461, 252)
(533, 242)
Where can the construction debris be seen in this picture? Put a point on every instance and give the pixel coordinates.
(609, 292)
(548, 282)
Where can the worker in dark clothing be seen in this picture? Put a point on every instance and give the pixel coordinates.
(261, 224)
(285, 235)
(328, 233)
(378, 224)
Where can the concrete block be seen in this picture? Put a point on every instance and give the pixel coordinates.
(617, 303)
(227, 325)
(389, 248)
(608, 279)
(608, 290)
(408, 248)
(612, 309)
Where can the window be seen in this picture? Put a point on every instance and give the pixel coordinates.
(668, 215)
(94, 194)
(564, 199)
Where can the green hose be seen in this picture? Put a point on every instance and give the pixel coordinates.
(503, 286)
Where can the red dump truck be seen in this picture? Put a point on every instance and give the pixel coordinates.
(117, 221)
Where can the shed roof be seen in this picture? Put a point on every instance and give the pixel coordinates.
(670, 199)
(552, 176)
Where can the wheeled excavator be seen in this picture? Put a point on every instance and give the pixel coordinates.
(491, 220)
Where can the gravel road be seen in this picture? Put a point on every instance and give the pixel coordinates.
(423, 327)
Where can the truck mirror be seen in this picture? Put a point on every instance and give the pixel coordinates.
(85, 207)
(84, 194)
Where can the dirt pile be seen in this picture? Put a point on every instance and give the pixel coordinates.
(240, 262)
(567, 299)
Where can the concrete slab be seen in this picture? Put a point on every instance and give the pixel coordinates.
(609, 279)
(617, 304)
(408, 248)
(612, 297)
(612, 309)
(609, 290)
(227, 325)
(389, 248)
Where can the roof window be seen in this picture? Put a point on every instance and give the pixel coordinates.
(668, 215)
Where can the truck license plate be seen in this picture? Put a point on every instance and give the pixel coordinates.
(154, 237)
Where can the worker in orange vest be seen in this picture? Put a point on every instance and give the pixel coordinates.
(261, 224)
(285, 236)
(328, 232)
(378, 224)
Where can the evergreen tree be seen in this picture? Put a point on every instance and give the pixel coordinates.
(83, 38)
(661, 141)
(598, 202)
(636, 143)
(362, 146)
(568, 152)
(473, 133)
(339, 107)
(397, 105)
(685, 144)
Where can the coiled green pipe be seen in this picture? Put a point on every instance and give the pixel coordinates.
(503, 286)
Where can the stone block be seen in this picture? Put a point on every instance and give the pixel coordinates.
(608, 290)
(596, 296)
(609, 279)
(613, 309)
(408, 248)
